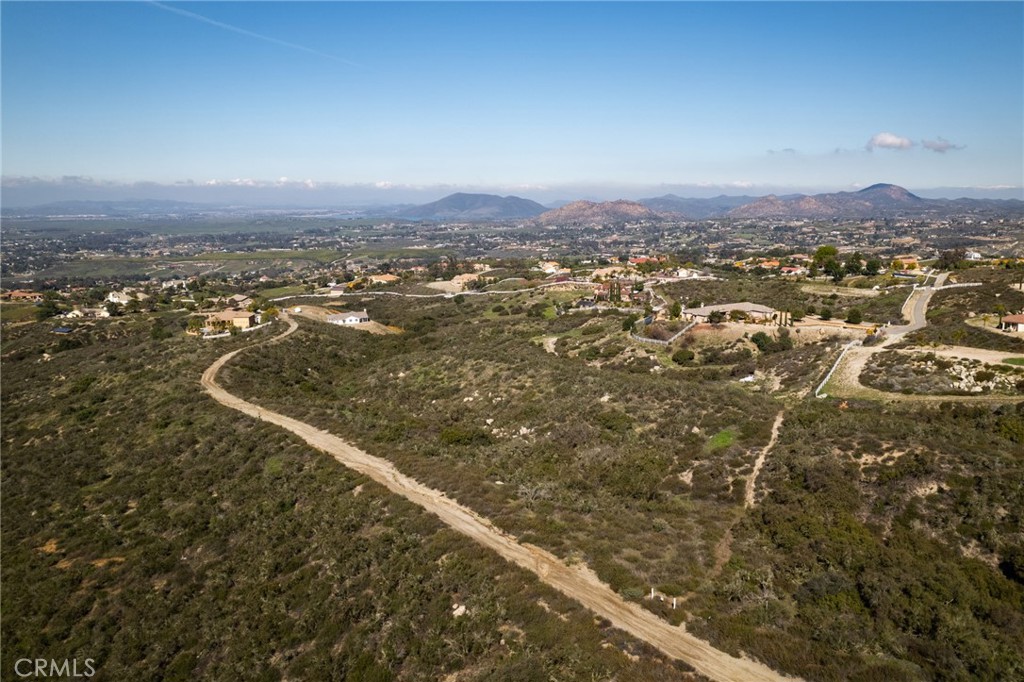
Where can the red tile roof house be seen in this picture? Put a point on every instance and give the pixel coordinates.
(1013, 323)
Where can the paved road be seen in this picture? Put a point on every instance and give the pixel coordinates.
(915, 308)
(577, 581)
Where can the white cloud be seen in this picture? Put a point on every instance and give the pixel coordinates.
(940, 145)
(888, 141)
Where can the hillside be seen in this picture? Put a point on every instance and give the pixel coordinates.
(696, 208)
(877, 201)
(165, 537)
(603, 213)
(465, 206)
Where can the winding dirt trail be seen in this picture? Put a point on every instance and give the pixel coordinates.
(748, 495)
(577, 582)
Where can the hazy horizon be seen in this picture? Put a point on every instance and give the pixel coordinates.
(33, 192)
(346, 102)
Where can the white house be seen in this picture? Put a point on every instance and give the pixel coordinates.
(119, 297)
(345, 317)
(1013, 323)
(752, 311)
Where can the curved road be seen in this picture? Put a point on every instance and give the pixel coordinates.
(915, 308)
(576, 582)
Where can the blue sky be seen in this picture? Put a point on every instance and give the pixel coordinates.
(538, 99)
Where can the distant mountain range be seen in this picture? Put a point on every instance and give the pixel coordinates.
(463, 206)
(877, 201)
(696, 208)
(589, 212)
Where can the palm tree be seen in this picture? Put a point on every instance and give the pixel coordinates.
(1000, 310)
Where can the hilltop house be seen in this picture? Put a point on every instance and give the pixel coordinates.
(119, 297)
(345, 317)
(753, 311)
(241, 319)
(22, 295)
(1013, 323)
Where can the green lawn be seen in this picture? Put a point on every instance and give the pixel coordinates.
(722, 439)
(283, 291)
(16, 312)
(1014, 361)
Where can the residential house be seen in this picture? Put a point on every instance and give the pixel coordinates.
(337, 290)
(120, 297)
(239, 301)
(241, 319)
(753, 311)
(88, 312)
(22, 295)
(1013, 323)
(346, 317)
(464, 280)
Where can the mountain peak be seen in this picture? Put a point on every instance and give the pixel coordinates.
(466, 206)
(891, 191)
(588, 212)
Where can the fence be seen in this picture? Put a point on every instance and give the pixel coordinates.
(817, 391)
(660, 342)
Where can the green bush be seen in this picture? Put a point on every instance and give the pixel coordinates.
(683, 356)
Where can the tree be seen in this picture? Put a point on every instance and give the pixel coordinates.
(999, 310)
(113, 309)
(716, 317)
(854, 316)
(897, 264)
(675, 310)
(873, 267)
(270, 313)
(762, 341)
(852, 263)
(826, 313)
(825, 254)
(47, 309)
(835, 270)
(951, 259)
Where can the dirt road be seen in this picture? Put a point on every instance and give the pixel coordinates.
(748, 495)
(577, 581)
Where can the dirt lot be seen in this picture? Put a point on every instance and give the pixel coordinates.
(320, 313)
